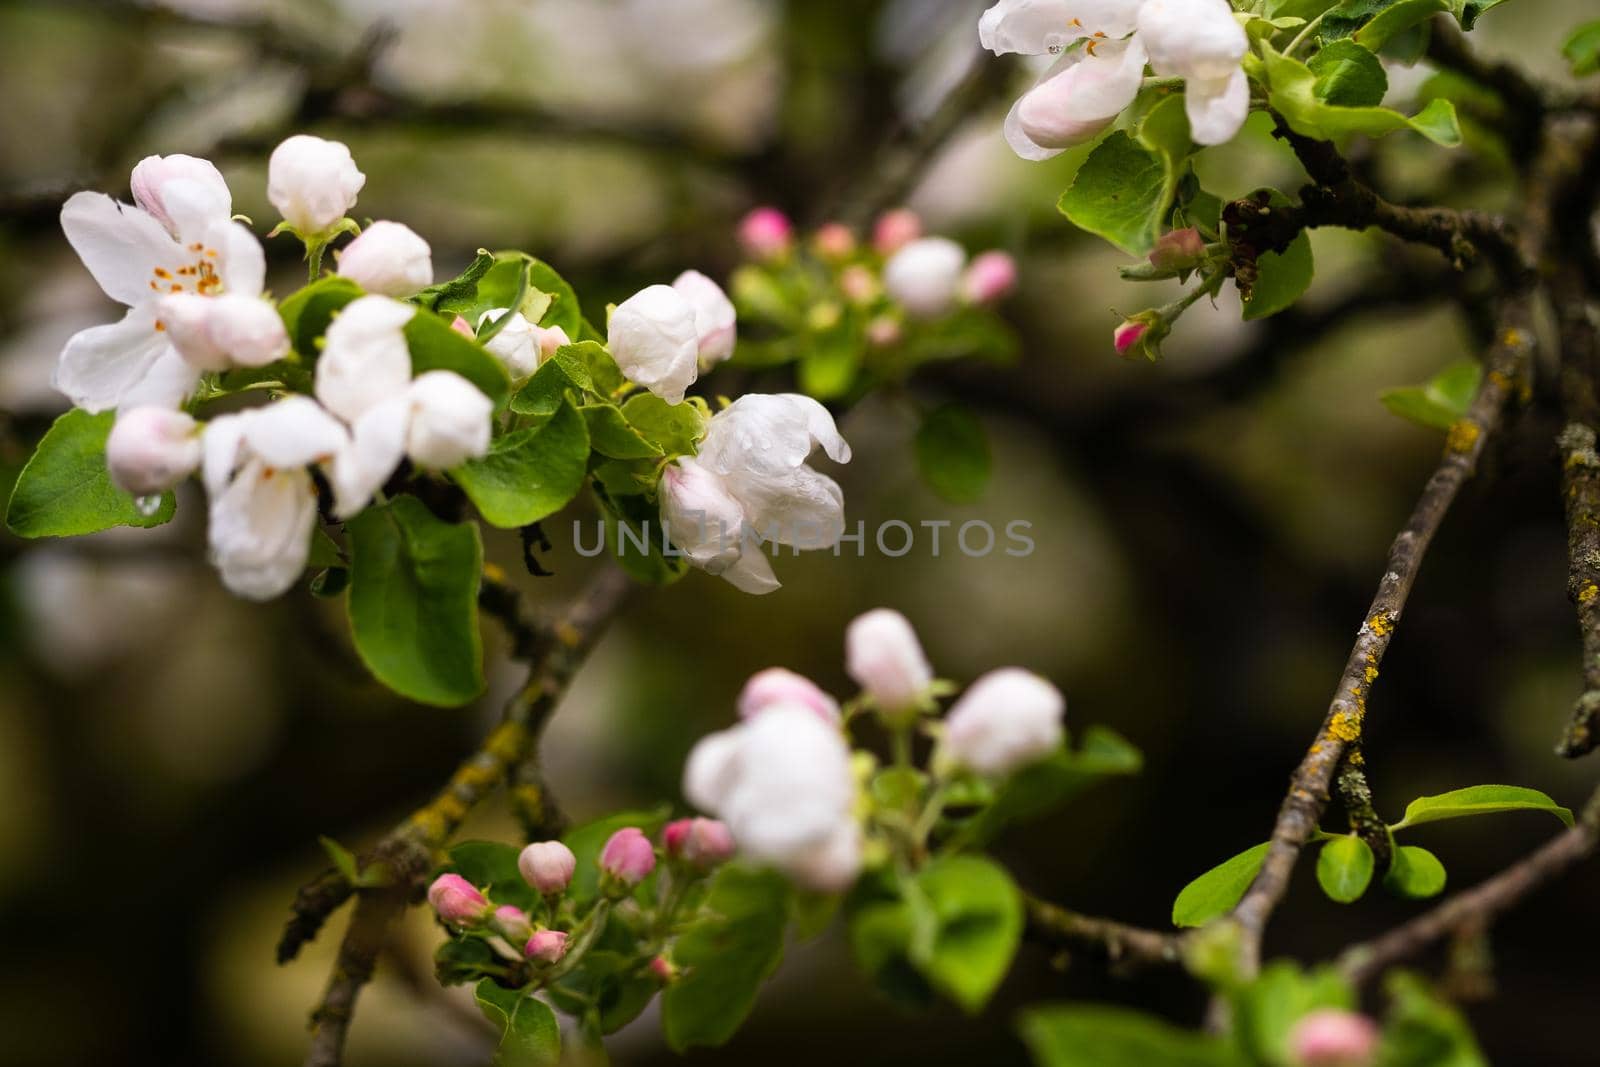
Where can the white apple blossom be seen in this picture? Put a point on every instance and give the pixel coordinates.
(138, 257)
(750, 483)
(263, 503)
(213, 333)
(388, 258)
(449, 421)
(783, 783)
(312, 182)
(714, 316)
(1201, 42)
(1076, 98)
(884, 657)
(520, 345)
(365, 359)
(1037, 27)
(152, 449)
(654, 338)
(1005, 720)
(925, 276)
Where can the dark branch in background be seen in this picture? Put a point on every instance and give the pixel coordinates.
(1125, 946)
(408, 854)
(1473, 910)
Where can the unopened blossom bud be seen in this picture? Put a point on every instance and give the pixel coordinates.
(713, 316)
(1006, 720)
(185, 319)
(213, 333)
(1178, 249)
(516, 344)
(628, 857)
(884, 331)
(654, 337)
(701, 843)
(457, 901)
(449, 421)
(925, 275)
(894, 230)
(152, 449)
(312, 182)
(663, 970)
(1332, 1038)
(1126, 336)
(552, 339)
(701, 518)
(365, 359)
(388, 258)
(833, 241)
(883, 656)
(990, 277)
(766, 234)
(546, 946)
(776, 685)
(859, 285)
(512, 923)
(460, 325)
(184, 193)
(547, 866)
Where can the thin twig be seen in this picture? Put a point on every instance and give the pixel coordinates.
(1124, 945)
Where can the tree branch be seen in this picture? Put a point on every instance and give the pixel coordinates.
(1124, 945)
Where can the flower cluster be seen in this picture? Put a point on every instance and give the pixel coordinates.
(797, 797)
(1104, 46)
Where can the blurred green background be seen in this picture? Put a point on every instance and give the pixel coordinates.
(1208, 529)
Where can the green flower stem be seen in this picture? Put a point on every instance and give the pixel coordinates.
(584, 940)
(1305, 32)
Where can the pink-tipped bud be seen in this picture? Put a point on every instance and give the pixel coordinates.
(701, 843)
(777, 685)
(833, 241)
(884, 331)
(859, 285)
(1128, 335)
(546, 946)
(547, 866)
(990, 277)
(766, 234)
(663, 970)
(1331, 1038)
(552, 338)
(895, 229)
(463, 327)
(628, 857)
(512, 923)
(1178, 249)
(457, 901)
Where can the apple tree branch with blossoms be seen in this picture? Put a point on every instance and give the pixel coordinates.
(355, 435)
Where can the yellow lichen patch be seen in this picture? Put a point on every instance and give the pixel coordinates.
(1379, 624)
(494, 572)
(1462, 436)
(1588, 593)
(1511, 338)
(1370, 674)
(1500, 379)
(1345, 726)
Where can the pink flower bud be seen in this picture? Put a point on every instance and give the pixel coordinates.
(546, 946)
(547, 866)
(766, 233)
(388, 258)
(460, 325)
(1331, 1038)
(512, 923)
(858, 284)
(777, 685)
(628, 856)
(925, 276)
(884, 331)
(883, 656)
(457, 901)
(1178, 249)
(989, 277)
(1127, 336)
(894, 230)
(152, 449)
(833, 241)
(663, 970)
(194, 186)
(701, 843)
(552, 338)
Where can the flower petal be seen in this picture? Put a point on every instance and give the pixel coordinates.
(377, 444)
(260, 530)
(1217, 110)
(753, 573)
(121, 245)
(101, 364)
(1034, 27)
(243, 262)
(1079, 96)
(294, 432)
(167, 384)
(802, 508)
(769, 433)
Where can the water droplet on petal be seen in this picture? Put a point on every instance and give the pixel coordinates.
(147, 505)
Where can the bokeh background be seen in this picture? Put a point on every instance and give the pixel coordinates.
(1208, 528)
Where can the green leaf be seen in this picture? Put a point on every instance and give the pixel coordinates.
(604, 374)
(563, 309)
(435, 346)
(1582, 49)
(953, 453)
(1268, 1008)
(1165, 130)
(307, 312)
(1101, 1035)
(612, 435)
(978, 912)
(1473, 9)
(1281, 277)
(1423, 1030)
(492, 867)
(1348, 75)
(1214, 893)
(1122, 193)
(675, 429)
(458, 292)
(65, 489)
(633, 532)
(1396, 19)
(827, 370)
(1479, 800)
(732, 947)
(1047, 785)
(529, 474)
(414, 601)
(544, 392)
(1293, 93)
(587, 840)
(1415, 873)
(1344, 868)
(529, 1033)
(1442, 401)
